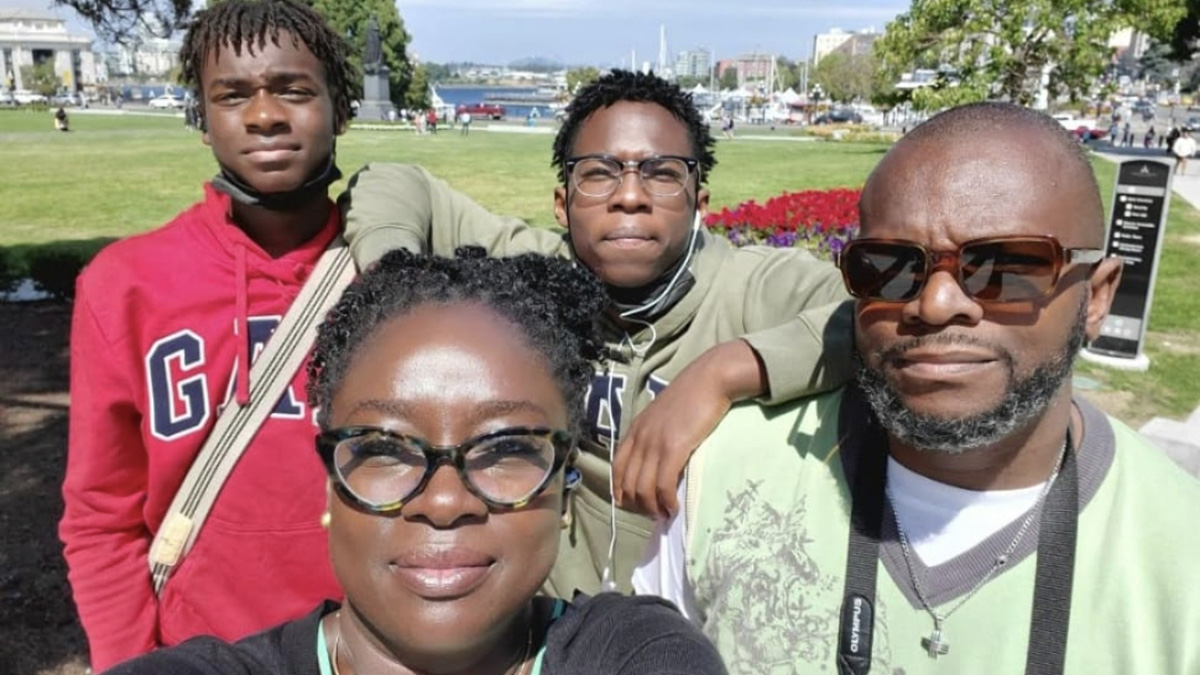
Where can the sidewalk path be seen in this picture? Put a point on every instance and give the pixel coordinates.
(1185, 185)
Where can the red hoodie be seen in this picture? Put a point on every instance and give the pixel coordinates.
(153, 357)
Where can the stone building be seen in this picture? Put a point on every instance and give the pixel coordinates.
(30, 38)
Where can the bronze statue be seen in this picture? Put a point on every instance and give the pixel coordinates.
(373, 53)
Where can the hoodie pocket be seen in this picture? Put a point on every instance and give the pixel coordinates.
(236, 582)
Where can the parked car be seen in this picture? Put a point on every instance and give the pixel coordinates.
(839, 116)
(66, 100)
(26, 97)
(6, 97)
(167, 102)
(488, 110)
(1083, 129)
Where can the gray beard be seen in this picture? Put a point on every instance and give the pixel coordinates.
(1024, 400)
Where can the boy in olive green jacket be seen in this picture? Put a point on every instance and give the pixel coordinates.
(718, 324)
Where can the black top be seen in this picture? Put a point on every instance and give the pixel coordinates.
(608, 634)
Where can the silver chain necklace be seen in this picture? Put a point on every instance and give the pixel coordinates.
(935, 645)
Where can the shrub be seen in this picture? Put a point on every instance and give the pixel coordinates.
(819, 220)
(54, 266)
(54, 270)
(11, 271)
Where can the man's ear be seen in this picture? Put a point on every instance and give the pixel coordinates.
(702, 202)
(1102, 285)
(560, 205)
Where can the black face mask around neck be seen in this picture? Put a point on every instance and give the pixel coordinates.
(240, 191)
(631, 303)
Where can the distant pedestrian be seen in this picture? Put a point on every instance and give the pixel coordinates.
(1113, 132)
(431, 121)
(1148, 139)
(465, 120)
(1172, 136)
(1184, 148)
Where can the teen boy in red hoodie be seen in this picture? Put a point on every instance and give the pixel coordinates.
(164, 330)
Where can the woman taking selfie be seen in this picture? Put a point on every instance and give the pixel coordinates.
(449, 393)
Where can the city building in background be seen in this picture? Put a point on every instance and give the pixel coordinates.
(825, 43)
(858, 44)
(31, 38)
(751, 67)
(693, 63)
(1129, 40)
(146, 56)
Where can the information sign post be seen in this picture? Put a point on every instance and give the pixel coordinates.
(1135, 233)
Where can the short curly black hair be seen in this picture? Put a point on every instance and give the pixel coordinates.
(552, 302)
(624, 85)
(234, 24)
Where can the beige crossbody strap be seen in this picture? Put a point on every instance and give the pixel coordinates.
(273, 370)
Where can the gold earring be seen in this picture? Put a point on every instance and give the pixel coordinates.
(326, 519)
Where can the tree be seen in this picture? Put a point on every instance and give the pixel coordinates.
(40, 78)
(578, 77)
(788, 73)
(417, 96)
(846, 77)
(1186, 36)
(438, 72)
(1001, 48)
(729, 78)
(120, 21)
(1158, 66)
(116, 21)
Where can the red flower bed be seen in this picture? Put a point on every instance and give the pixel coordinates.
(820, 220)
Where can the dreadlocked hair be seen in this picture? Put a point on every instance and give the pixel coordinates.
(554, 305)
(238, 24)
(624, 85)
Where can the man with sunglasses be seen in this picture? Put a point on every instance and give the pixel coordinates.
(715, 323)
(958, 509)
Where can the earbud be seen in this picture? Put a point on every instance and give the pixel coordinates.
(572, 479)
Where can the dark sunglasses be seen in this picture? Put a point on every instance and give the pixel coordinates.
(989, 270)
(380, 470)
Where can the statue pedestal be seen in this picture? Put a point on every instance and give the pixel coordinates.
(376, 104)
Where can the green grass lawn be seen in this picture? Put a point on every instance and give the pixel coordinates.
(118, 175)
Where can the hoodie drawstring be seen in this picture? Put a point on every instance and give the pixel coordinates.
(241, 330)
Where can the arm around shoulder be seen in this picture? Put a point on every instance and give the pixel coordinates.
(800, 324)
(389, 206)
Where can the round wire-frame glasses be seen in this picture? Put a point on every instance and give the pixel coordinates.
(601, 175)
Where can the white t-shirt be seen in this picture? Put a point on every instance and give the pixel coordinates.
(940, 521)
(1185, 146)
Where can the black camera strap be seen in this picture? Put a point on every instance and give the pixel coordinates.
(1052, 588)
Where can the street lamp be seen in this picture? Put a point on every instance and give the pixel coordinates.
(815, 98)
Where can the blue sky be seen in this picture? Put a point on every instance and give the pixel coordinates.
(604, 32)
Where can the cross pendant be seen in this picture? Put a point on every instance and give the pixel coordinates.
(933, 645)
